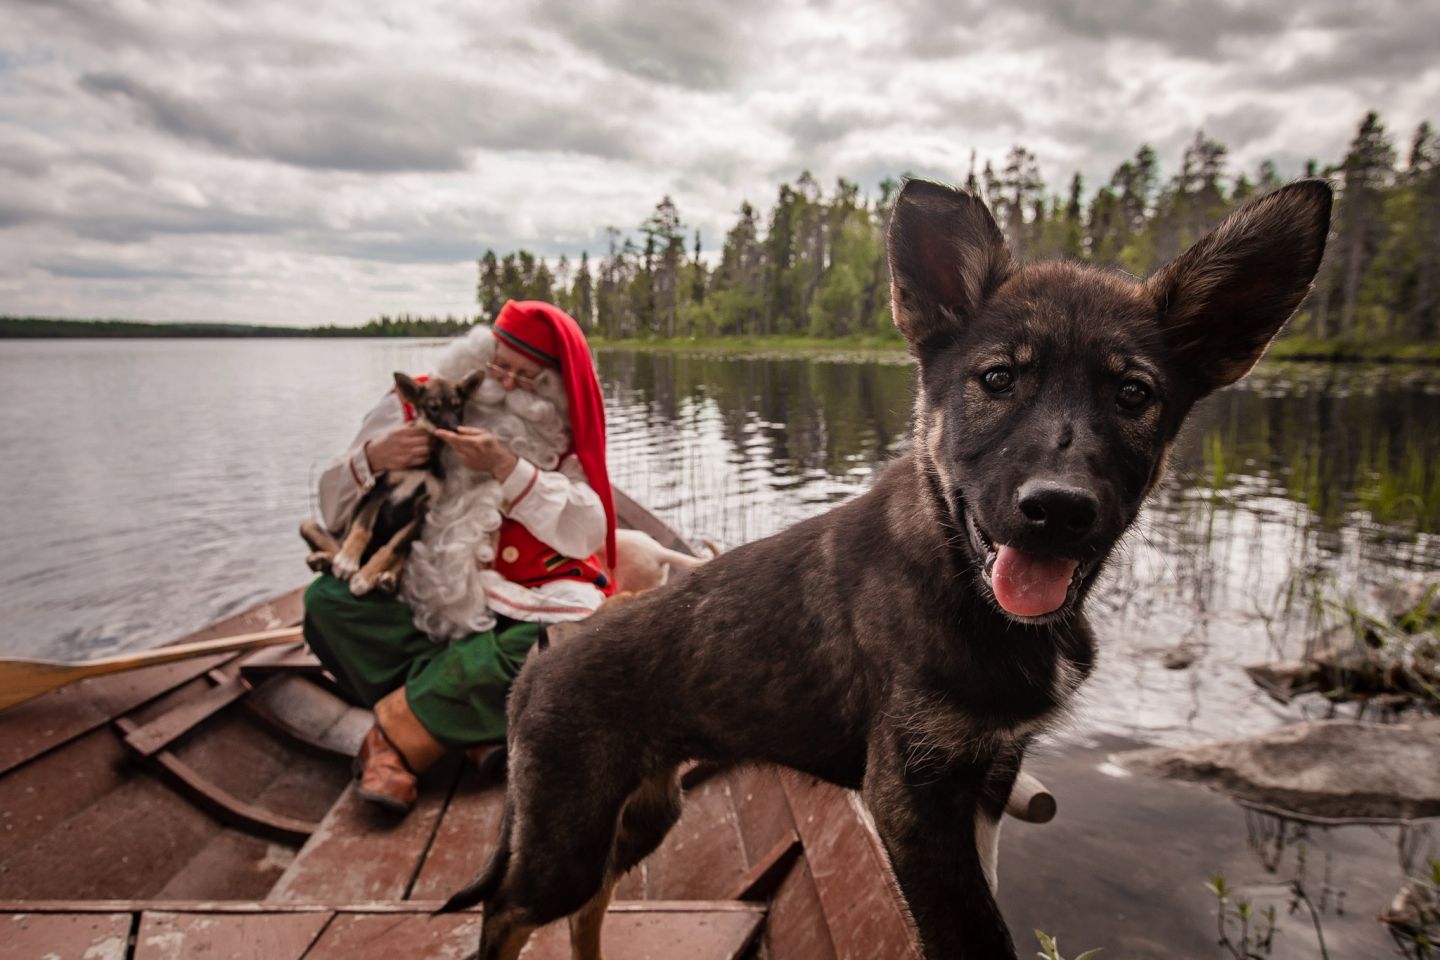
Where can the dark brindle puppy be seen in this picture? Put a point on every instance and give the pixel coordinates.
(911, 642)
(388, 518)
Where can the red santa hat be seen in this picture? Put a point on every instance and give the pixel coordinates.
(551, 337)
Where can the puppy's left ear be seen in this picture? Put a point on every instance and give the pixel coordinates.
(1222, 301)
(468, 385)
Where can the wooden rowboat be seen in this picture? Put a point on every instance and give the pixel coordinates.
(207, 805)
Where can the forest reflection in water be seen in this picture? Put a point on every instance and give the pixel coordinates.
(1304, 491)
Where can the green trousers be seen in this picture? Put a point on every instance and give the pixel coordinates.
(371, 645)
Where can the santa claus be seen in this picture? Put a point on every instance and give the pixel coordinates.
(512, 542)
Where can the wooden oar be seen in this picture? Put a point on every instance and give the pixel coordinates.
(22, 679)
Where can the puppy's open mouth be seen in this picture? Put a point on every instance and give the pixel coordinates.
(1025, 584)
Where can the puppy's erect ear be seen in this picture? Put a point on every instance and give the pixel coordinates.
(1222, 301)
(468, 385)
(407, 387)
(946, 256)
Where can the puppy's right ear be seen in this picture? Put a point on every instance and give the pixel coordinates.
(946, 257)
(406, 386)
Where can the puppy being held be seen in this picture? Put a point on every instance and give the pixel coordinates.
(370, 554)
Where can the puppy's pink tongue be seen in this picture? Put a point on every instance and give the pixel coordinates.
(1028, 585)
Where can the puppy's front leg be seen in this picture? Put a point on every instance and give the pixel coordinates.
(926, 817)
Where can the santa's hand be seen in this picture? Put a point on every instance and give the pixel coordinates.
(400, 448)
(480, 450)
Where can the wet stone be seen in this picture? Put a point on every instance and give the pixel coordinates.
(1331, 769)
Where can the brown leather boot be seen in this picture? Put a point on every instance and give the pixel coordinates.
(394, 753)
(384, 778)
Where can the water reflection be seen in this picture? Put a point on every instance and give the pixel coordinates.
(1302, 490)
(172, 494)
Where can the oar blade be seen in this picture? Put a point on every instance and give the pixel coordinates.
(22, 680)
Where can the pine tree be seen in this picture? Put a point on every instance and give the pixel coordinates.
(1368, 169)
(582, 294)
(488, 292)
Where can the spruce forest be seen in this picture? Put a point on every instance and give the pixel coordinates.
(814, 264)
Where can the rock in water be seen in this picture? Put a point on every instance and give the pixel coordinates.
(1330, 768)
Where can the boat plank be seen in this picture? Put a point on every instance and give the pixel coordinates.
(796, 926)
(360, 936)
(66, 936)
(694, 935)
(762, 811)
(232, 863)
(272, 936)
(159, 733)
(39, 725)
(223, 804)
(42, 795)
(630, 514)
(466, 836)
(126, 844)
(359, 852)
(702, 857)
(365, 906)
(861, 905)
(310, 714)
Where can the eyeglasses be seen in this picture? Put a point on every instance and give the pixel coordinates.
(526, 381)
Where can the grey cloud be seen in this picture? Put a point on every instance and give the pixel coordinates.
(696, 45)
(14, 213)
(87, 269)
(1398, 49)
(1195, 28)
(1243, 125)
(340, 140)
(380, 125)
(414, 247)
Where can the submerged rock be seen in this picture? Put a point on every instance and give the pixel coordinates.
(1331, 768)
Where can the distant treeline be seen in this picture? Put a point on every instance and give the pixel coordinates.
(402, 325)
(814, 264)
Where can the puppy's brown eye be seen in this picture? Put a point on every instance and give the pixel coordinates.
(998, 379)
(1133, 395)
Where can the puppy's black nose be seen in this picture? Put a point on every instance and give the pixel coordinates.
(1057, 509)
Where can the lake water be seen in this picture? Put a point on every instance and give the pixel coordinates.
(151, 486)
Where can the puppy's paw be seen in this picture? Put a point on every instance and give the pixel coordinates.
(320, 561)
(361, 584)
(388, 582)
(344, 566)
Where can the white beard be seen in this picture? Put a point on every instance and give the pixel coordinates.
(443, 577)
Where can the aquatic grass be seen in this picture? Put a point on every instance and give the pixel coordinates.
(1050, 948)
(1415, 928)
(1232, 912)
(1407, 495)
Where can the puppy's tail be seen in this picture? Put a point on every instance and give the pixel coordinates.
(712, 546)
(487, 883)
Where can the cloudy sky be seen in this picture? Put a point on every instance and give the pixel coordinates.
(313, 162)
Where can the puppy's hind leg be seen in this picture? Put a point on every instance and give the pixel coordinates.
(347, 561)
(318, 537)
(649, 814)
(323, 547)
(389, 559)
